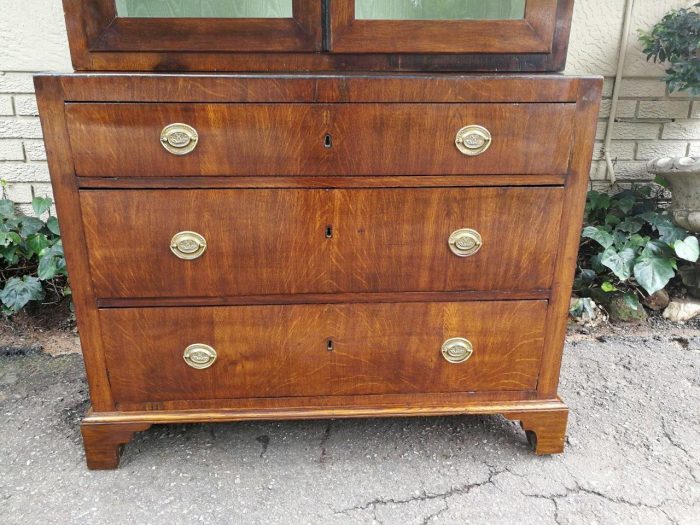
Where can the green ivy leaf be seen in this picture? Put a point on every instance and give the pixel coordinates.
(636, 241)
(18, 292)
(9, 238)
(688, 249)
(52, 225)
(608, 287)
(621, 263)
(41, 205)
(653, 272)
(632, 301)
(47, 268)
(7, 209)
(626, 203)
(37, 243)
(599, 235)
(30, 226)
(631, 225)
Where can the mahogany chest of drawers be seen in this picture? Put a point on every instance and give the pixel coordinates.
(319, 246)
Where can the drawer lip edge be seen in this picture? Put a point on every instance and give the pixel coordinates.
(418, 408)
(329, 298)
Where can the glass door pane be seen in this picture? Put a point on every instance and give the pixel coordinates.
(204, 8)
(439, 9)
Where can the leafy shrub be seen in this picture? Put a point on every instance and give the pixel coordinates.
(32, 266)
(676, 40)
(630, 246)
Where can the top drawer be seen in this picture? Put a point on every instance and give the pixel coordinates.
(127, 140)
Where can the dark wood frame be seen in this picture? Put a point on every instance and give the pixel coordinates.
(94, 27)
(101, 41)
(541, 413)
(533, 34)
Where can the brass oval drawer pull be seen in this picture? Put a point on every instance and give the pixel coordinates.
(473, 140)
(188, 245)
(200, 356)
(457, 350)
(465, 242)
(179, 139)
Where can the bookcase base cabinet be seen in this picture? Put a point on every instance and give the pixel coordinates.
(271, 247)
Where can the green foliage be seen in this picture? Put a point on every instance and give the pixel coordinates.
(676, 40)
(32, 266)
(630, 246)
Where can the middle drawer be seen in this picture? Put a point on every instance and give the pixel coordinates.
(262, 242)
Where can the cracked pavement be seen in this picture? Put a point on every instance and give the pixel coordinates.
(633, 455)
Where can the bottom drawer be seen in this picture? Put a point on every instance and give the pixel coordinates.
(322, 350)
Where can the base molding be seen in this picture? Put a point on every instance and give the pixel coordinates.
(544, 422)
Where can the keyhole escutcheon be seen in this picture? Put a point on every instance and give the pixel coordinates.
(328, 141)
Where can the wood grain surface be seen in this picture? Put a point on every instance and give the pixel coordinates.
(274, 351)
(263, 242)
(274, 139)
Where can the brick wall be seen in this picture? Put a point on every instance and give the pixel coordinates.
(650, 122)
(23, 169)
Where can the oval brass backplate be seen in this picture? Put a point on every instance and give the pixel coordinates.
(200, 356)
(473, 140)
(457, 350)
(465, 242)
(179, 139)
(188, 245)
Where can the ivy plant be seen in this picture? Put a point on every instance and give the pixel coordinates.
(630, 246)
(32, 266)
(675, 40)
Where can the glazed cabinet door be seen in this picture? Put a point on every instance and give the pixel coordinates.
(444, 26)
(158, 26)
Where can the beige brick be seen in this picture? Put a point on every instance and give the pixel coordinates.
(20, 193)
(608, 85)
(661, 148)
(35, 150)
(598, 170)
(643, 87)
(11, 150)
(42, 189)
(26, 105)
(16, 83)
(662, 109)
(25, 209)
(625, 108)
(695, 112)
(6, 107)
(694, 150)
(680, 94)
(20, 127)
(632, 170)
(620, 149)
(600, 130)
(682, 129)
(24, 172)
(601, 185)
(636, 131)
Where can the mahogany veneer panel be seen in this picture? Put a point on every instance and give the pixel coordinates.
(262, 242)
(290, 139)
(274, 351)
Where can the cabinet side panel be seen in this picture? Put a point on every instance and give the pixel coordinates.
(51, 109)
(572, 218)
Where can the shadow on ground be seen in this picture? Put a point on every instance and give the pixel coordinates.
(633, 455)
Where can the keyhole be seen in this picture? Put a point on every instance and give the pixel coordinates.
(330, 345)
(329, 232)
(328, 141)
